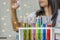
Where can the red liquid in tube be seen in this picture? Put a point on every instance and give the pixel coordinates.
(48, 31)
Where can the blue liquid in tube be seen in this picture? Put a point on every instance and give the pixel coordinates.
(44, 32)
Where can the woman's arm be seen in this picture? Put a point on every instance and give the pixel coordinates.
(14, 19)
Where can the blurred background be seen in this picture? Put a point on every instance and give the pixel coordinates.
(26, 7)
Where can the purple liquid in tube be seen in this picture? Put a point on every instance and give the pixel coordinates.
(34, 31)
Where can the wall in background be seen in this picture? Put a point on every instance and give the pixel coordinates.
(26, 7)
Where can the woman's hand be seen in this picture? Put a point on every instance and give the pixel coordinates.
(14, 19)
(15, 4)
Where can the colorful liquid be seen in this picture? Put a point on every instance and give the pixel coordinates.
(48, 34)
(49, 25)
(39, 34)
(34, 34)
(39, 30)
(48, 31)
(44, 32)
(34, 31)
(25, 32)
(29, 33)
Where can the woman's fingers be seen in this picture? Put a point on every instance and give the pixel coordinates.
(15, 4)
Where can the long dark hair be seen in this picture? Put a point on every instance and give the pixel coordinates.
(54, 7)
(58, 3)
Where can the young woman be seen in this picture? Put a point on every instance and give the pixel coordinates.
(48, 7)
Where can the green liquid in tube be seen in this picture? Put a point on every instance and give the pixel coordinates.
(25, 32)
(38, 26)
(39, 32)
(29, 33)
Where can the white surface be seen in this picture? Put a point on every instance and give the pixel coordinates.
(58, 36)
(57, 30)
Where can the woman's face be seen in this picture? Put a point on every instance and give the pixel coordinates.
(43, 3)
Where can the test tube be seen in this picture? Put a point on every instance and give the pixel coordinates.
(44, 25)
(38, 25)
(34, 31)
(49, 25)
(30, 31)
(25, 31)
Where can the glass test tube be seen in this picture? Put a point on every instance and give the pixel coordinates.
(44, 25)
